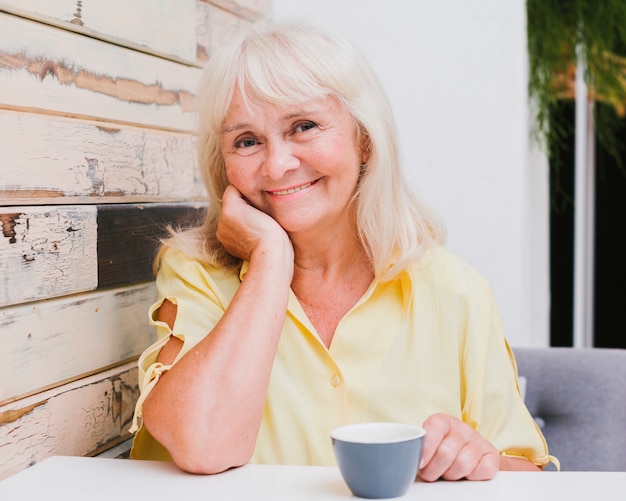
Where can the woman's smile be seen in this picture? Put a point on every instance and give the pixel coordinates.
(291, 191)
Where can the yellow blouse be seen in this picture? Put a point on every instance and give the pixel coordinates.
(428, 341)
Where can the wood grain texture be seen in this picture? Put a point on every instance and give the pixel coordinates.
(44, 156)
(128, 237)
(49, 69)
(163, 27)
(46, 252)
(45, 344)
(76, 419)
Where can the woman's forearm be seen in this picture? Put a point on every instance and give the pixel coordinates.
(207, 409)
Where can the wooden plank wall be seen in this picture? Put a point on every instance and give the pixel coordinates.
(97, 156)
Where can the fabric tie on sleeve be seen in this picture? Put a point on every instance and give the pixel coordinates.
(150, 379)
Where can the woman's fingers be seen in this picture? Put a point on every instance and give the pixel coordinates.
(437, 427)
(454, 450)
(487, 467)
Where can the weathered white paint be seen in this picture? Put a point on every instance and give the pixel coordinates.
(52, 70)
(74, 419)
(166, 26)
(252, 10)
(54, 157)
(46, 343)
(216, 26)
(46, 252)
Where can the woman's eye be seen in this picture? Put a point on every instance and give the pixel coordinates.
(304, 126)
(246, 142)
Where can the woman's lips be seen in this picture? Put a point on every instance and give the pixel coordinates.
(290, 191)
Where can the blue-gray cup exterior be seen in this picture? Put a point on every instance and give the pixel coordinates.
(378, 470)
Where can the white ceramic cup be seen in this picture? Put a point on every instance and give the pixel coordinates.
(378, 460)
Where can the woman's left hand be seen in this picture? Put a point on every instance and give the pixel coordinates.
(453, 450)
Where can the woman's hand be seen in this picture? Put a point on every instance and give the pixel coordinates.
(453, 450)
(243, 229)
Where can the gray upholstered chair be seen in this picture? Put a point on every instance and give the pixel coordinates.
(578, 396)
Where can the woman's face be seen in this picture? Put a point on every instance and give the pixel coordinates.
(298, 163)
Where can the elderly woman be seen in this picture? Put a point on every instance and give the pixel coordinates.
(317, 292)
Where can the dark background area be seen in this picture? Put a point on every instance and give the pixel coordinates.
(610, 235)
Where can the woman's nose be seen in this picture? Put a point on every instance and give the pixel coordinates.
(280, 158)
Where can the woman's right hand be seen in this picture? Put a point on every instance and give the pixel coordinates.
(244, 229)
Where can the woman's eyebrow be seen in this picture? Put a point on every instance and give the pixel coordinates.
(289, 116)
(299, 114)
(234, 127)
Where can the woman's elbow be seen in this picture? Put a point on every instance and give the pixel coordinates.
(199, 450)
(203, 455)
(205, 464)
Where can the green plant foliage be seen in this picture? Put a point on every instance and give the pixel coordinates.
(560, 31)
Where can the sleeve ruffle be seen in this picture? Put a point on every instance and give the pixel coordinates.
(148, 378)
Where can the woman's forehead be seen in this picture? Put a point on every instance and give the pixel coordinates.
(250, 106)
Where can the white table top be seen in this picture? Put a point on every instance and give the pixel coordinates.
(95, 479)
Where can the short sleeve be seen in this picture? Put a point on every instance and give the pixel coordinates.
(201, 295)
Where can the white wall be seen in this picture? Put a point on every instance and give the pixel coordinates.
(456, 74)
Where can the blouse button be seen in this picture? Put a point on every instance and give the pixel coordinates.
(335, 380)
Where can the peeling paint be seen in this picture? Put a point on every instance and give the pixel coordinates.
(47, 252)
(110, 130)
(124, 89)
(74, 420)
(70, 158)
(96, 175)
(29, 194)
(13, 415)
(8, 222)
